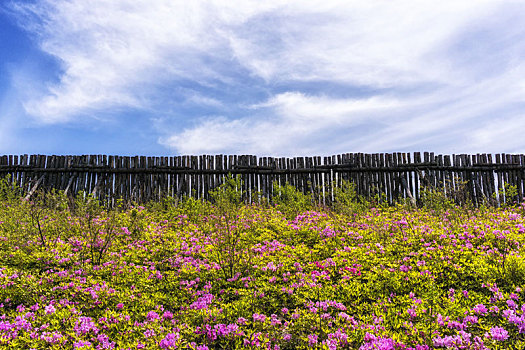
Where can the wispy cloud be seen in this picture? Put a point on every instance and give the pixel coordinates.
(409, 75)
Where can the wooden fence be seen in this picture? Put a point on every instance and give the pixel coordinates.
(480, 177)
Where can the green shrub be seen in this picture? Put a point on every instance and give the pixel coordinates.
(290, 201)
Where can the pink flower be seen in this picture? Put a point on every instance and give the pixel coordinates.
(152, 315)
(312, 339)
(499, 333)
(259, 317)
(480, 309)
(50, 309)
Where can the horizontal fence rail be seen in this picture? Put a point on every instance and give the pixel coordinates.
(488, 178)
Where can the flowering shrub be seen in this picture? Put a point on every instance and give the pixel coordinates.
(249, 276)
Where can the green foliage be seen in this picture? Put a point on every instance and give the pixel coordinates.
(8, 190)
(290, 201)
(347, 201)
(229, 195)
(198, 269)
(229, 238)
(508, 195)
(446, 197)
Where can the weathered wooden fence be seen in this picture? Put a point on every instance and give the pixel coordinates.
(394, 175)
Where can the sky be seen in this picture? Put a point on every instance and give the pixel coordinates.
(268, 78)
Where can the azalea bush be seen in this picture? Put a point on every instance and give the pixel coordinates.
(227, 274)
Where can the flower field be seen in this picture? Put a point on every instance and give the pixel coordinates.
(202, 276)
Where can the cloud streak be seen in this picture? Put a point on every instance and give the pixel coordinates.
(407, 75)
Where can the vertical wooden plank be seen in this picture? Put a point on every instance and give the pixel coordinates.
(18, 173)
(176, 178)
(164, 161)
(4, 161)
(195, 177)
(262, 178)
(474, 178)
(130, 185)
(210, 160)
(72, 186)
(270, 178)
(110, 183)
(410, 175)
(83, 173)
(172, 177)
(417, 180)
(22, 160)
(493, 178)
(368, 176)
(155, 179)
(513, 174)
(336, 160)
(253, 178)
(426, 173)
(88, 174)
(179, 190)
(208, 176)
(200, 177)
(146, 179)
(216, 165)
(358, 173)
(49, 182)
(249, 182)
(189, 177)
(125, 178)
(287, 164)
(400, 174)
(329, 180)
(28, 175)
(499, 179)
(447, 175)
(456, 176)
(486, 178)
(249, 179)
(9, 161)
(43, 165)
(221, 165)
(319, 180)
(482, 160)
(395, 177)
(406, 175)
(118, 179)
(280, 166)
(301, 164)
(467, 160)
(155, 184)
(152, 178)
(387, 177)
(61, 180)
(440, 183)
(13, 161)
(316, 179)
(382, 176)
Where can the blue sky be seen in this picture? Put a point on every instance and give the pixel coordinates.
(276, 78)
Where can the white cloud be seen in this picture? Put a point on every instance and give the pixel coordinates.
(427, 68)
(294, 119)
